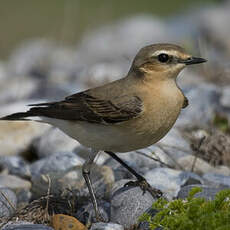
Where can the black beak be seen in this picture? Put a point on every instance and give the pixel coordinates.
(192, 60)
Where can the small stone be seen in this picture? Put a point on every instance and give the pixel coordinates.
(13, 224)
(14, 182)
(53, 141)
(58, 162)
(56, 183)
(214, 147)
(171, 148)
(30, 55)
(16, 136)
(204, 101)
(224, 100)
(106, 226)
(169, 181)
(23, 196)
(201, 166)
(128, 203)
(140, 161)
(8, 202)
(15, 165)
(212, 25)
(102, 179)
(207, 192)
(26, 226)
(217, 179)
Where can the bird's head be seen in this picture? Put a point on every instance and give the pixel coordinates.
(162, 61)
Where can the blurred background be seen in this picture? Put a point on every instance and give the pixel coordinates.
(66, 21)
(51, 49)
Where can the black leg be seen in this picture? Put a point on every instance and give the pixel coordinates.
(141, 181)
(86, 174)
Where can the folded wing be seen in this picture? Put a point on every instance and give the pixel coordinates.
(85, 107)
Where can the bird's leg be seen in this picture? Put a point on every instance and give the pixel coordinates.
(86, 174)
(141, 181)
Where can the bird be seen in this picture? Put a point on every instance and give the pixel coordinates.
(125, 115)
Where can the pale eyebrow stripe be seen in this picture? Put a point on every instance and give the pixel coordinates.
(169, 52)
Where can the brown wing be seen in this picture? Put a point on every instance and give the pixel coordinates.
(85, 107)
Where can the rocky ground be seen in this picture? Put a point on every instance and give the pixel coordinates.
(40, 167)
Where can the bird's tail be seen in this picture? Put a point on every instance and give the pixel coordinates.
(18, 116)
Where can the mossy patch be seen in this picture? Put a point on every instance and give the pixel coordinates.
(194, 213)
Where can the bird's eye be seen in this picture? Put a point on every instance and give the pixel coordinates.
(163, 57)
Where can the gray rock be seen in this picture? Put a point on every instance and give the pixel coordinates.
(207, 192)
(171, 148)
(26, 226)
(53, 141)
(47, 64)
(16, 137)
(82, 151)
(128, 203)
(8, 202)
(169, 181)
(217, 179)
(14, 182)
(23, 196)
(106, 226)
(225, 97)
(118, 185)
(31, 55)
(175, 138)
(99, 41)
(121, 172)
(12, 223)
(212, 21)
(15, 165)
(203, 102)
(56, 183)
(102, 178)
(141, 161)
(57, 162)
(201, 166)
(14, 89)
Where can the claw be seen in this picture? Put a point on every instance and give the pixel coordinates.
(145, 186)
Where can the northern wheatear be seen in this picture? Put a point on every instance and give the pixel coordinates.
(125, 115)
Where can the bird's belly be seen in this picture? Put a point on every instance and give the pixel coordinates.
(97, 136)
(125, 137)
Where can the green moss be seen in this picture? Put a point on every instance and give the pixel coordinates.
(221, 122)
(192, 213)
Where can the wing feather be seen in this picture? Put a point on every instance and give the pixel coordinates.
(85, 107)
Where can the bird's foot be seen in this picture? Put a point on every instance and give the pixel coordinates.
(89, 220)
(100, 218)
(145, 186)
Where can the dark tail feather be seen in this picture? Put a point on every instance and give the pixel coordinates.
(18, 116)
